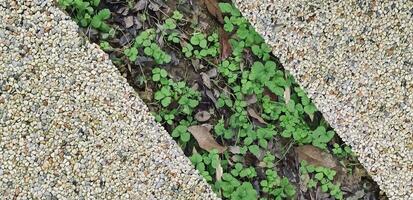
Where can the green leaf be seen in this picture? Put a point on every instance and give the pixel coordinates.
(177, 15)
(225, 7)
(203, 43)
(319, 176)
(185, 136)
(96, 22)
(159, 95)
(263, 143)
(166, 101)
(248, 141)
(324, 188)
(254, 149)
(104, 14)
(156, 77)
(96, 2)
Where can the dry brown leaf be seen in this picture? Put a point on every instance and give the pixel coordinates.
(206, 80)
(234, 149)
(205, 139)
(212, 73)
(226, 49)
(287, 95)
(202, 116)
(315, 156)
(208, 126)
(211, 96)
(213, 9)
(251, 99)
(254, 115)
(219, 171)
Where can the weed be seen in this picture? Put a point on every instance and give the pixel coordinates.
(321, 176)
(277, 187)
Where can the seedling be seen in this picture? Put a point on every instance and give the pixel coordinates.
(98, 21)
(181, 132)
(164, 95)
(321, 176)
(277, 187)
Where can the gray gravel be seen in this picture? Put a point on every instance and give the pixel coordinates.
(355, 59)
(70, 126)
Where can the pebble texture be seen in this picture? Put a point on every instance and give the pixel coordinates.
(355, 59)
(70, 126)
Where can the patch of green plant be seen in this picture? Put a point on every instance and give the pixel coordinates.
(342, 151)
(281, 108)
(170, 91)
(277, 187)
(85, 13)
(206, 45)
(146, 41)
(181, 131)
(206, 163)
(105, 46)
(323, 177)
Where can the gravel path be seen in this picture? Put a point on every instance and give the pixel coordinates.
(70, 126)
(355, 59)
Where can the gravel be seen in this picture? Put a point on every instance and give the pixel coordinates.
(355, 59)
(70, 125)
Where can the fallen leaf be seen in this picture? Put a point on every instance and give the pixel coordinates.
(140, 5)
(234, 149)
(226, 49)
(202, 116)
(315, 156)
(213, 9)
(154, 6)
(211, 96)
(212, 73)
(208, 126)
(287, 95)
(251, 99)
(206, 80)
(304, 179)
(205, 139)
(219, 171)
(254, 115)
(128, 21)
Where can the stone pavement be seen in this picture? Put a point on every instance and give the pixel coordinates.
(70, 126)
(355, 59)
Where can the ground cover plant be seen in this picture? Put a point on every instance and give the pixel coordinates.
(211, 80)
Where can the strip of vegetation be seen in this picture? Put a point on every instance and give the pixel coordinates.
(239, 117)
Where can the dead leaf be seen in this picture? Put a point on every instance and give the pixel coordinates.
(154, 6)
(251, 99)
(315, 156)
(211, 96)
(226, 49)
(208, 126)
(205, 139)
(254, 115)
(206, 80)
(128, 21)
(304, 179)
(213, 9)
(140, 5)
(212, 73)
(202, 116)
(234, 149)
(195, 86)
(219, 171)
(287, 95)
